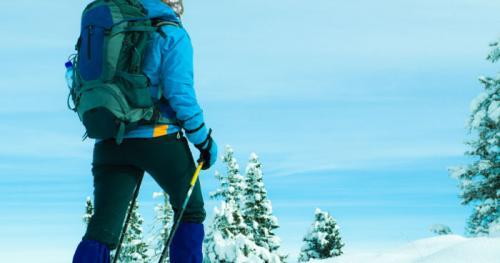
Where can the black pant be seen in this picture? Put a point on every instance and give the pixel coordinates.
(117, 169)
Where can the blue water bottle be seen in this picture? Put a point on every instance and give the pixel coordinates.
(69, 74)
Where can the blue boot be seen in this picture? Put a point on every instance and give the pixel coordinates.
(187, 244)
(90, 251)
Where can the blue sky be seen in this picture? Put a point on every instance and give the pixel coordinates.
(356, 107)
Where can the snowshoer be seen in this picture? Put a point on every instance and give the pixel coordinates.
(159, 149)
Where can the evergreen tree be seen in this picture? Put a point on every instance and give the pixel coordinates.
(134, 249)
(228, 236)
(323, 239)
(231, 184)
(163, 221)
(258, 210)
(226, 240)
(440, 229)
(89, 211)
(479, 182)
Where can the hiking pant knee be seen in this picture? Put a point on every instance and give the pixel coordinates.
(117, 170)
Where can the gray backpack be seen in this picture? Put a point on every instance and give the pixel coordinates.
(110, 92)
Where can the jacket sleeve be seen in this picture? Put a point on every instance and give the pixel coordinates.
(176, 78)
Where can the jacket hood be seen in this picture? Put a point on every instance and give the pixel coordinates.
(158, 9)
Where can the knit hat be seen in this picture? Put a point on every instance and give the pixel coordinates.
(176, 5)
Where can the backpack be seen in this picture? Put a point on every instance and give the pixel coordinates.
(110, 92)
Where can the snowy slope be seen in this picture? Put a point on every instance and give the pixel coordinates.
(440, 249)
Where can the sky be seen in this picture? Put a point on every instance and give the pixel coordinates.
(355, 107)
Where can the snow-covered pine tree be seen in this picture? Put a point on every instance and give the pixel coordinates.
(134, 249)
(257, 210)
(227, 237)
(323, 239)
(440, 229)
(479, 182)
(162, 223)
(232, 183)
(89, 210)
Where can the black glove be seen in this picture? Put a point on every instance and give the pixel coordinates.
(208, 151)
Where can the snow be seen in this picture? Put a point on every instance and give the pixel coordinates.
(478, 118)
(457, 172)
(231, 250)
(495, 228)
(484, 165)
(157, 194)
(476, 102)
(494, 111)
(495, 52)
(440, 249)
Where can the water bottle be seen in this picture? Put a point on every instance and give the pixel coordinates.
(69, 74)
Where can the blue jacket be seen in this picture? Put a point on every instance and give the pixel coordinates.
(168, 63)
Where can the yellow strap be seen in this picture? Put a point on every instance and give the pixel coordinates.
(160, 130)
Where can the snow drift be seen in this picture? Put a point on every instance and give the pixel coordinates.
(440, 249)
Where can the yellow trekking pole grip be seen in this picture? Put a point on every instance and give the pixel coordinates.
(196, 174)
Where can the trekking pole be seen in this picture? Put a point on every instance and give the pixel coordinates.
(124, 231)
(184, 205)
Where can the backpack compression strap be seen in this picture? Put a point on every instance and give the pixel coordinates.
(121, 133)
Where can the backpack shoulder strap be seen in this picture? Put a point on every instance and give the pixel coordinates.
(158, 23)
